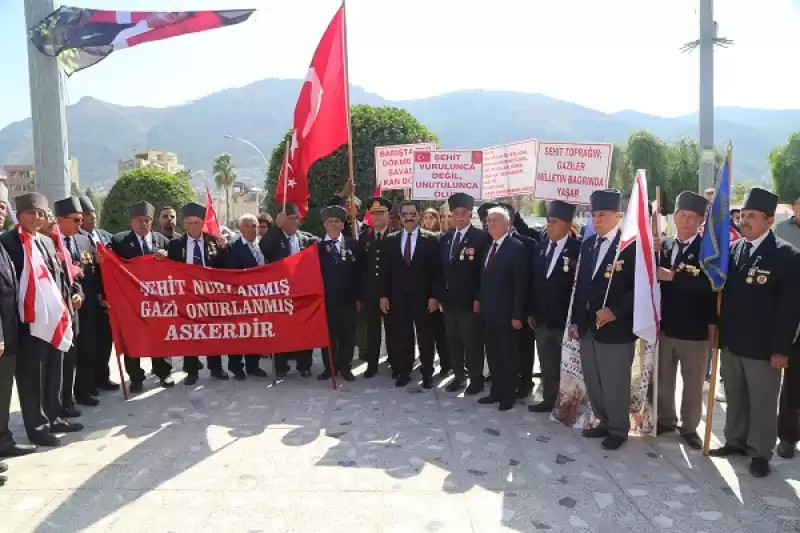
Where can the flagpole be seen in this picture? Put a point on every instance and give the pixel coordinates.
(657, 223)
(712, 381)
(285, 171)
(350, 167)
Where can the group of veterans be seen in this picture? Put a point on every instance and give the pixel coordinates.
(498, 293)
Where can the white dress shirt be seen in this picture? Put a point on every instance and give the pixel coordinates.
(610, 236)
(499, 243)
(756, 243)
(404, 237)
(190, 250)
(686, 244)
(337, 243)
(294, 243)
(559, 248)
(255, 250)
(148, 239)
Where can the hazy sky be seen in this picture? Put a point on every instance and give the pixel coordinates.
(609, 55)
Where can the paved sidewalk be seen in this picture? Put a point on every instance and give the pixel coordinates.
(300, 458)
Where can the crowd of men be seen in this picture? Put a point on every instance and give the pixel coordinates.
(471, 294)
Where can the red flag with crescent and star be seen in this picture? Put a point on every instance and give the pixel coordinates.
(211, 223)
(320, 116)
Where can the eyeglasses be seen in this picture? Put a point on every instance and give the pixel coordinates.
(76, 220)
(407, 214)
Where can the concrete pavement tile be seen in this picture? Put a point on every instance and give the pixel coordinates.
(425, 511)
(82, 510)
(17, 507)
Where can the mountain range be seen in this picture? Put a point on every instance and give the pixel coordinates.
(101, 133)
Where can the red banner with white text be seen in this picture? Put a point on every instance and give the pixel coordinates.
(162, 308)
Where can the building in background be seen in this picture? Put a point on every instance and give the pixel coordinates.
(74, 174)
(21, 179)
(243, 199)
(149, 158)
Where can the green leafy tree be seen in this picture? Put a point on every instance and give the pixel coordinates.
(683, 168)
(648, 152)
(738, 192)
(224, 177)
(153, 185)
(184, 173)
(372, 126)
(620, 175)
(784, 165)
(540, 209)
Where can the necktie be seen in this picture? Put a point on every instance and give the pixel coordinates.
(259, 257)
(549, 257)
(197, 255)
(596, 251)
(146, 247)
(379, 236)
(70, 249)
(407, 250)
(681, 247)
(456, 245)
(491, 254)
(746, 251)
(335, 250)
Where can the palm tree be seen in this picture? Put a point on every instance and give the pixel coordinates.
(224, 176)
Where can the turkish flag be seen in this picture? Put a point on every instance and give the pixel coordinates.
(368, 214)
(320, 116)
(734, 234)
(211, 224)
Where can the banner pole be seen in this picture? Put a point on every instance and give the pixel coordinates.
(656, 222)
(712, 381)
(350, 167)
(285, 175)
(122, 378)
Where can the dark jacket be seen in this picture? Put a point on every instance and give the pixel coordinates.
(461, 270)
(127, 244)
(590, 292)
(760, 315)
(213, 255)
(688, 305)
(415, 283)
(9, 310)
(240, 256)
(105, 237)
(504, 283)
(342, 273)
(371, 249)
(521, 227)
(550, 296)
(275, 245)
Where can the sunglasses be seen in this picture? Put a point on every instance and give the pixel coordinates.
(406, 214)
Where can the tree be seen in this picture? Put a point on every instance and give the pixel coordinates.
(372, 126)
(540, 209)
(224, 177)
(184, 173)
(73, 189)
(682, 171)
(620, 175)
(153, 185)
(648, 152)
(784, 165)
(738, 192)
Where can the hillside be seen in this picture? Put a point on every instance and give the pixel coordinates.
(101, 133)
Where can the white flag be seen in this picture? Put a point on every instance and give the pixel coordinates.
(40, 301)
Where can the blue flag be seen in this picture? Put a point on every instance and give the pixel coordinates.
(588, 229)
(715, 252)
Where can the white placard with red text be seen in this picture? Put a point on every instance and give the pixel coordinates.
(571, 171)
(509, 170)
(394, 165)
(438, 174)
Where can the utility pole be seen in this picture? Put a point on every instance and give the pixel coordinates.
(47, 113)
(708, 39)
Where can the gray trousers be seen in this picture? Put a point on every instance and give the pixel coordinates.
(464, 331)
(39, 374)
(607, 374)
(692, 358)
(548, 345)
(752, 387)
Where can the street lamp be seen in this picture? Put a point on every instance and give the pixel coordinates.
(253, 146)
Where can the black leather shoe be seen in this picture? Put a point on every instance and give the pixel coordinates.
(612, 442)
(107, 386)
(239, 375)
(488, 400)
(220, 375)
(456, 385)
(427, 382)
(44, 439)
(594, 433)
(443, 373)
(89, 401)
(190, 380)
(759, 467)
(62, 426)
(166, 382)
(257, 373)
(347, 375)
(726, 451)
(402, 381)
(324, 376)
(540, 407)
(3, 468)
(786, 449)
(371, 372)
(692, 440)
(395, 374)
(473, 389)
(136, 387)
(94, 392)
(303, 374)
(70, 412)
(661, 430)
(523, 393)
(505, 406)
(16, 450)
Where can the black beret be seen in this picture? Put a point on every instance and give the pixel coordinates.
(66, 207)
(193, 209)
(759, 199)
(142, 209)
(86, 205)
(32, 201)
(691, 201)
(605, 200)
(292, 209)
(334, 211)
(460, 199)
(561, 210)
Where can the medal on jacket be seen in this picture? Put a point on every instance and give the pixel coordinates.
(566, 263)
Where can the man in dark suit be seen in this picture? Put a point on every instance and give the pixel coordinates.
(602, 318)
(39, 372)
(245, 253)
(411, 284)
(282, 240)
(103, 343)
(79, 361)
(758, 329)
(139, 241)
(462, 251)
(688, 315)
(553, 275)
(199, 248)
(370, 242)
(341, 263)
(9, 348)
(501, 302)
